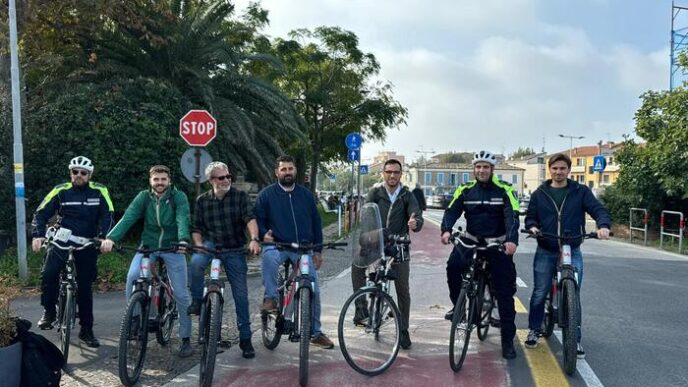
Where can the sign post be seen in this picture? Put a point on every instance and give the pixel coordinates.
(353, 143)
(198, 128)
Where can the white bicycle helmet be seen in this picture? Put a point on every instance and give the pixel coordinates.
(81, 162)
(484, 156)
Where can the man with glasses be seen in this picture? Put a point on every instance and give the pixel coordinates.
(221, 219)
(84, 208)
(399, 212)
(165, 213)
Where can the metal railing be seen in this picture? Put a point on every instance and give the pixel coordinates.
(632, 228)
(679, 234)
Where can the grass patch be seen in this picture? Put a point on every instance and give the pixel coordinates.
(328, 218)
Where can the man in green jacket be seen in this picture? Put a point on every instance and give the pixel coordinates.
(165, 212)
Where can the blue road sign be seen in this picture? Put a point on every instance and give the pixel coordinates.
(354, 155)
(599, 163)
(353, 140)
(363, 170)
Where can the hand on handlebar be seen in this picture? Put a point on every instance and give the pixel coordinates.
(510, 248)
(36, 244)
(182, 247)
(603, 233)
(445, 237)
(268, 237)
(106, 245)
(534, 231)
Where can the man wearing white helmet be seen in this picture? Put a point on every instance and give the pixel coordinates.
(490, 207)
(85, 208)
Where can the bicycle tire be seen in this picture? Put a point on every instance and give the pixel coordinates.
(213, 324)
(166, 316)
(365, 349)
(550, 317)
(484, 307)
(569, 330)
(273, 322)
(66, 322)
(461, 328)
(130, 369)
(304, 298)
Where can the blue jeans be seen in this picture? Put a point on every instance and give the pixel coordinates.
(272, 259)
(176, 270)
(236, 269)
(544, 268)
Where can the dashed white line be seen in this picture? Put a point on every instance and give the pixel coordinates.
(520, 283)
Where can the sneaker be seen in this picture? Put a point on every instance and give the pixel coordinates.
(185, 349)
(47, 320)
(361, 316)
(508, 350)
(580, 353)
(269, 305)
(405, 339)
(323, 341)
(495, 322)
(86, 335)
(194, 308)
(532, 339)
(247, 350)
(449, 315)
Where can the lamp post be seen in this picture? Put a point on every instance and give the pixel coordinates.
(571, 138)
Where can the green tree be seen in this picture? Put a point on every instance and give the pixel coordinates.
(332, 83)
(455, 157)
(522, 152)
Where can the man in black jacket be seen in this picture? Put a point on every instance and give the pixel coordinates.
(558, 206)
(491, 210)
(399, 212)
(420, 197)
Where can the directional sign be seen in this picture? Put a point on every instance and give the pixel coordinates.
(353, 140)
(363, 170)
(354, 155)
(599, 163)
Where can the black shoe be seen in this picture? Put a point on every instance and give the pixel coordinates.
(449, 315)
(247, 350)
(405, 339)
(495, 322)
(86, 335)
(508, 350)
(361, 316)
(194, 308)
(47, 321)
(185, 349)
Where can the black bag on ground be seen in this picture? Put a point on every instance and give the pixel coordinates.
(42, 361)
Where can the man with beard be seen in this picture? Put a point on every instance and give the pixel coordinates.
(165, 213)
(491, 211)
(221, 218)
(84, 208)
(286, 212)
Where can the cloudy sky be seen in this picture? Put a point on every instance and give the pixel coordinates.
(502, 74)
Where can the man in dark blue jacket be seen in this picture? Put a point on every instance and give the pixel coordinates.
(558, 207)
(286, 212)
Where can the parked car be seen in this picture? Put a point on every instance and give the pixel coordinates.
(523, 206)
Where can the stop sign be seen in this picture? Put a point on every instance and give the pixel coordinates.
(198, 128)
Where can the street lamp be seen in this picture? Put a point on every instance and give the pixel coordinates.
(571, 138)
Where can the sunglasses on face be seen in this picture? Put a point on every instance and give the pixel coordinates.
(81, 172)
(223, 178)
(393, 172)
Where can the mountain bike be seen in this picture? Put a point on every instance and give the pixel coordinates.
(152, 288)
(295, 293)
(473, 308)
(370, 322)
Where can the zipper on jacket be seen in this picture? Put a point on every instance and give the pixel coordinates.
(293, 216)
(558, 210)
(157, 215)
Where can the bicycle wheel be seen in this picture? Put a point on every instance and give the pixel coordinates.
(569, 330)
(460, 330)
(66, 321)
(304, 313)
(550, 317)
(370, 345)
(167, 314)
(211, 331)
(133, 339)
(484, 307)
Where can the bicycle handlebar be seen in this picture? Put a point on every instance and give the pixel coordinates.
(91, 243)
(216, 251)
(590, 235)
(455, 238)
(145, 250)
(304, 247)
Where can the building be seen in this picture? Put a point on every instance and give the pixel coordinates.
(582, 165)
(381, 157)
(438, 178)
(534, 170)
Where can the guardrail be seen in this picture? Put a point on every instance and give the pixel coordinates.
(645, 220)
(662, 232)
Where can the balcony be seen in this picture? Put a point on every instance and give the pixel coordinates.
(578, 169)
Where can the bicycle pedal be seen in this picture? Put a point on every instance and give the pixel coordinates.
(226, 344)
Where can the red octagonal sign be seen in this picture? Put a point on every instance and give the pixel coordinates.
(198, 128)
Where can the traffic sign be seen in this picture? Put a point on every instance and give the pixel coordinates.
(190, 158)
(198, 127)
(353, 140)
(354, 155)
(363, 169)
(599, 163)
(333, 178)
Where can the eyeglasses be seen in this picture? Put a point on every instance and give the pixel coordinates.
(393, 172)
(81, 172)
(223, 178)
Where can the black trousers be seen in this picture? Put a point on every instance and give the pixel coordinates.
(85, 262)
(503, 274)
(401, 285)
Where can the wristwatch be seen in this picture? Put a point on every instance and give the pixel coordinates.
(255, 240)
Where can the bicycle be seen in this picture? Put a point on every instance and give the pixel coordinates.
(370, 322)
(562, 302)
(471, 300)
(293, 314)
(66, 301)
(151, 288)
(210, 320)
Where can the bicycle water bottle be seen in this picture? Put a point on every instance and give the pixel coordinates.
(215, 269)
(145, 267)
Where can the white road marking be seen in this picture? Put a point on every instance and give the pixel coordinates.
(583, 368)
(520, 283)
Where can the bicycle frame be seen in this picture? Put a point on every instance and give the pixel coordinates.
(296, 280)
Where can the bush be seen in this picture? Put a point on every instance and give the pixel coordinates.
(8, 325)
